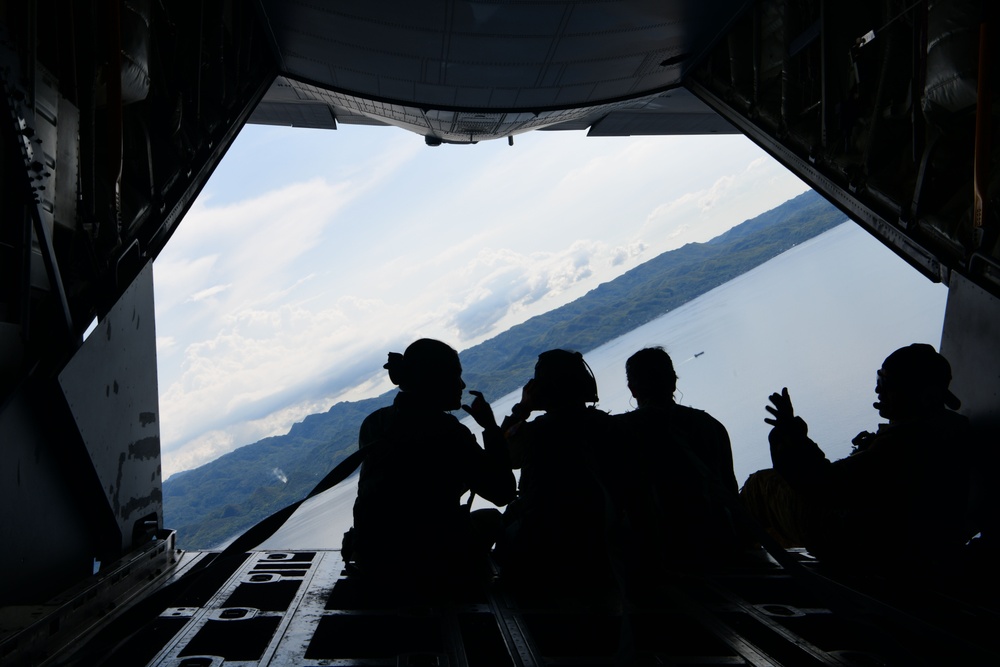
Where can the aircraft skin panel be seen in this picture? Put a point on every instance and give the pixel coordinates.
(675, 112)
(641, 123)
(49, 535)
(314, 116)
(288, 100)
(542, 51)
(969, 342)
(111, 374)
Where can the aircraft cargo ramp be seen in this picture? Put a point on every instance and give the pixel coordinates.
(303, 608)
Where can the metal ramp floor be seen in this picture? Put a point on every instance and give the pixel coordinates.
(300, 608)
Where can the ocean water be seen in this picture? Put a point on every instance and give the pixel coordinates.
(818, 319)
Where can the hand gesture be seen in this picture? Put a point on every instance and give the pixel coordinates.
(787, 427)
(782, 410)
(481, 411)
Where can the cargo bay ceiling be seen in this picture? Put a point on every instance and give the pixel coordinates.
(465, 72)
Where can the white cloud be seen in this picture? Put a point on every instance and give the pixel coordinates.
(199, 451)
(623, 253)
(177, 276)
(503, 283)
(210, 291)
(731, 198)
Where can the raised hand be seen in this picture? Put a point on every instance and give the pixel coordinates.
(481, 411)
(789, 430)
(782, 410)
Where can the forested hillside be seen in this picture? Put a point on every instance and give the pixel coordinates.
(648, 291)
(209, 504)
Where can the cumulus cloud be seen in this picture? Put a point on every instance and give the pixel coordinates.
(624, 253)
(200, 450)
(252, 364)
(708, 200)
(501, 283)
(479, 317)
(731, 198)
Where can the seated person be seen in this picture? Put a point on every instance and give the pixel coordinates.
(555, 535)
(411, 530)
(678, 465)
(901, 495)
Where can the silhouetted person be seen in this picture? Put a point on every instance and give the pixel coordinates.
(901, 495)
(678, 468)
(555, 538)
(411, 531)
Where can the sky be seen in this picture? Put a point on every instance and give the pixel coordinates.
(310, 254)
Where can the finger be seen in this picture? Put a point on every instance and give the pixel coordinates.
(772, 422)
(467, 408)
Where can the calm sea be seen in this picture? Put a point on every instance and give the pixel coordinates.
(819, 319)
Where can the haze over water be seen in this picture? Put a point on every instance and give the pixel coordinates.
(818, 319)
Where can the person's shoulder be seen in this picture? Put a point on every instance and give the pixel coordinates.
(594, 413)
(946, 430)
(577, 423)
(637, 419)
(687, 413)
(450, 420)
(378, 415)
(955, 421)
(450, 424)
(375, 425)
(930, 426)
(592, 417)
(626, 418)
(637, 425)
(378, 418)
(696, 418)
